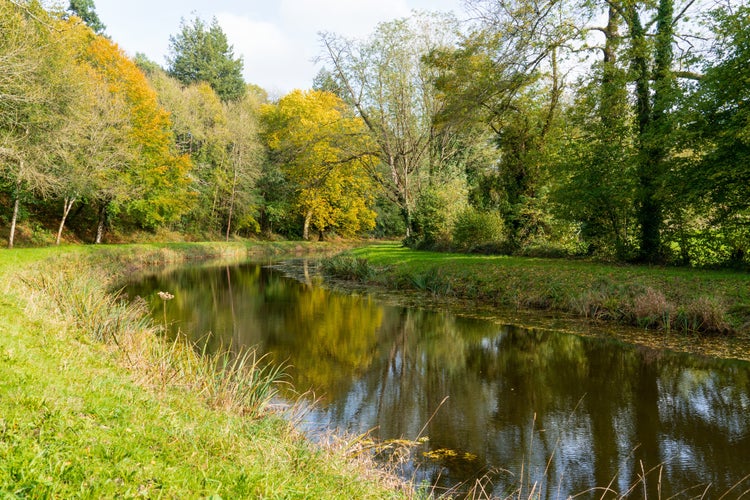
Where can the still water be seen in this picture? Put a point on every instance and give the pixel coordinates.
(557, 412)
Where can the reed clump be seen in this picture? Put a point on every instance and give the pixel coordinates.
(242, 381)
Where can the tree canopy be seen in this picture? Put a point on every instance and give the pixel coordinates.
(201, 53)
(613, 129)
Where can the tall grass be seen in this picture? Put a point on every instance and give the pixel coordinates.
(245, 382)
(242, 381)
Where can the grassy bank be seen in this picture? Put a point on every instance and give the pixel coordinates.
(93, 404)
(715, 302)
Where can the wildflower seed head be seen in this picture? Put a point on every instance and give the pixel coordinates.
(165, 296)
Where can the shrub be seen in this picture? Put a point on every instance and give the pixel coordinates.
(475, 229)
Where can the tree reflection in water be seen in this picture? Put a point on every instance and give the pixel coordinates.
(525, 408)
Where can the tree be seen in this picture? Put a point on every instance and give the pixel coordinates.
(505, 76)
(245, 153)
(201, 53)
(94, 149)
(652, 55)
(36, 86)
(387, 81)
(86, 10)
(715, 178)
(153, 189)
(595, 183)
(323, 152)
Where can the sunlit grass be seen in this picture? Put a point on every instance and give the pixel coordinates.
(93, 403)
(645, 296)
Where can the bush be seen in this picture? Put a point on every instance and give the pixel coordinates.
(474, 229)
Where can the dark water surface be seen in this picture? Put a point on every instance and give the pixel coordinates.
(554, 411)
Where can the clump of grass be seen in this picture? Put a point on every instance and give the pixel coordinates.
(652, 309)
(245, 382)
(347, 267)
(704, 314)
(432, 280)
(81, 296)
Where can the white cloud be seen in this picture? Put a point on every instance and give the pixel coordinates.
(345, 17)
(270, 57)
(280, 56)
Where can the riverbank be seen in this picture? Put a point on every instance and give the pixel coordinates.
(655, 298)
(93, 404)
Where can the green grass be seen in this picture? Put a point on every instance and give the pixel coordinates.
(83, 416)
(653, 297)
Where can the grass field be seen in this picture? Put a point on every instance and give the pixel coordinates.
(93, 411)
(716, 302)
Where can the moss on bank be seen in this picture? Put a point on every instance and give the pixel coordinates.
(85, 418)
(651, 297)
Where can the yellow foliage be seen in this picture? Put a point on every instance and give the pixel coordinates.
(323, 150)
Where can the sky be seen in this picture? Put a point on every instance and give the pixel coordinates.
(277, 39)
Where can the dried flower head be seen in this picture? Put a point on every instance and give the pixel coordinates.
(165, 296)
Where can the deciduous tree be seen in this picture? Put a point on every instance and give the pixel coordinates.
(323, 152)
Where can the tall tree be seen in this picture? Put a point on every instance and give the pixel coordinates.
(716, 177)
(323, 152)
(244, 158)
(201, 53)
(595, 183)
(386, 79)
(86, 10)
(506, 75)
(36, 86)
(157, 181)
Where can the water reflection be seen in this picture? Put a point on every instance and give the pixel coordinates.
(524, 408)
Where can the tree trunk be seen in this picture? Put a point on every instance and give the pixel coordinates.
(16, 203)
(102, 222)
(306, 227)
(67, 205)
(231, 199)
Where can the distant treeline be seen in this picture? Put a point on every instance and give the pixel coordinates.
(614, 129)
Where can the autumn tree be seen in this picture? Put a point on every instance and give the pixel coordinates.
(94, 150)
(324, 153)
(201, 53)
(153, 189)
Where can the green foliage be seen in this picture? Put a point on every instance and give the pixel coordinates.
(201, 53)
(474, 229)
(86, 10)
(436, 210)
(595, 183)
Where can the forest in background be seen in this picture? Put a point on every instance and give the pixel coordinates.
(616, 129)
